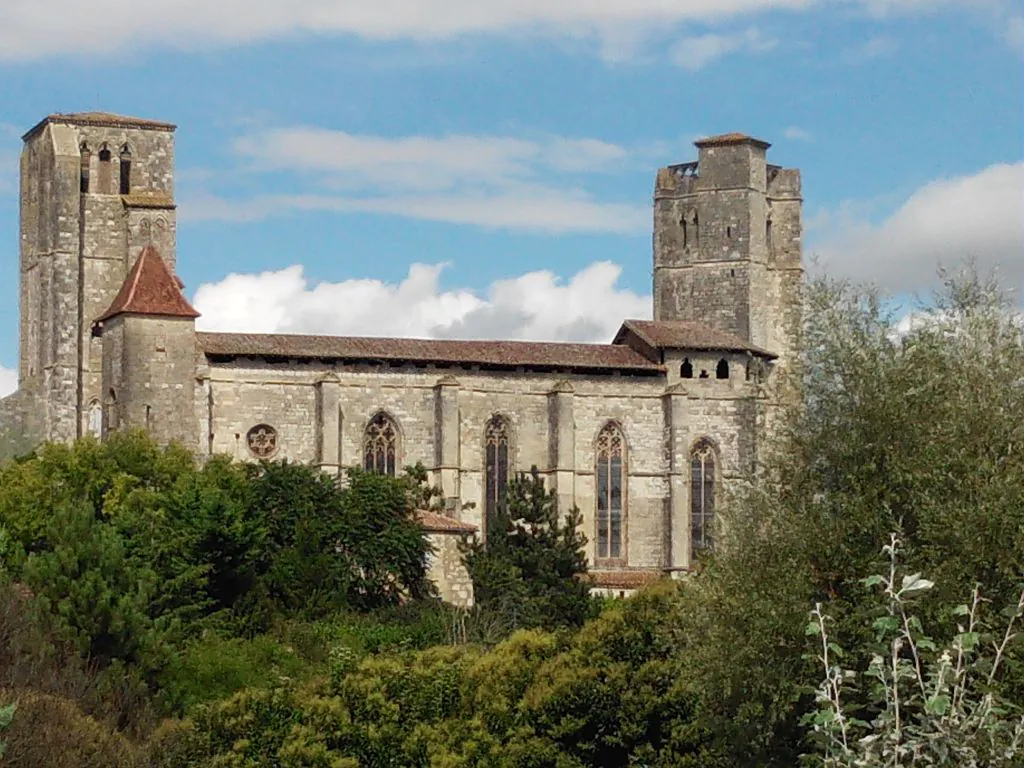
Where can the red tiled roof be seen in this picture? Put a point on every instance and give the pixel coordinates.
(502, 354)
(624, 579)
(106, 119)
(679, 334)
(433, 522)
(730, 138)
(150, 289)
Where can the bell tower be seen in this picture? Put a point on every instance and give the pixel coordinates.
(727, 250)
(96, 188)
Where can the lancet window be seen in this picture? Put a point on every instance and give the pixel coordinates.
(496, 450)
(703, 467)
(611, 497)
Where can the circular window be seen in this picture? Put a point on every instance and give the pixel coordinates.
(262, 441)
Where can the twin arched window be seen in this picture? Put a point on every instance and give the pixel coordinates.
(611, 497)
(496, 470)
(380, 445)
(702, 496)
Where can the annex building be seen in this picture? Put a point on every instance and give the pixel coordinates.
(640, 433)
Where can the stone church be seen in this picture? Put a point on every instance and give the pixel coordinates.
(639, 433)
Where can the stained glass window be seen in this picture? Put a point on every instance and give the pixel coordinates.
(380, 445)
(611, 452)
(702, 496)
(497, 464)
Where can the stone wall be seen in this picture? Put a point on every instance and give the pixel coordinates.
(554, 419)
(446, 569)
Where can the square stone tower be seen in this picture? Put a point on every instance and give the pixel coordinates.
(96, 188)
(727, 249)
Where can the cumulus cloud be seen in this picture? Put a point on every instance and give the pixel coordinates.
(538, 305)
(694, 53)
(976, 216)
(33, 30)
(8, 381)
(491, 181)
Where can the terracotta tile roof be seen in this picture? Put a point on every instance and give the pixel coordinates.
(679, 334)
(723, 139)
(150, 289)
(433, 522)
(501, 354)
(107, 119)
(624, 579)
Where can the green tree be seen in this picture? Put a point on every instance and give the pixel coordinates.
(529, 571)
(918, 431)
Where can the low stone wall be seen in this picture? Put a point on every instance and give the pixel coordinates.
(444, 566)
(15, 431)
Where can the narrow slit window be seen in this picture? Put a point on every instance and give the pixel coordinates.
(126, 170)
(611, 497)
(84, 173)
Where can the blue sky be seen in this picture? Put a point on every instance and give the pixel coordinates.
(457, 168)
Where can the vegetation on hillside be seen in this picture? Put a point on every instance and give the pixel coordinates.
(861, 609)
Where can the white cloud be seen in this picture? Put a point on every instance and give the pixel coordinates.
(944, 222)
(873, 48)
(490, 181)
(793, 133)
(537, 305)
(31, 30)
(694, 53)
(1014, 33)
(8, 381)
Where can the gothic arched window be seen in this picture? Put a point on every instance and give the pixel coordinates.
(611, 497)
(94, 425)
(126, 170)
(722, 369)
(380, 445)
(702, 496)
(686, 369)
(84, 167)
(496, 437)
(105, 185)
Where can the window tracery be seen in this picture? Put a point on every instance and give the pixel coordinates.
(380, 445)
(496, 450)
(703, 463)
(611, 506)
(262, 441)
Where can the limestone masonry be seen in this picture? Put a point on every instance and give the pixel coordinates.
(640, 433)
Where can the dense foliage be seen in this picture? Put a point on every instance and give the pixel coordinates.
(265, 607)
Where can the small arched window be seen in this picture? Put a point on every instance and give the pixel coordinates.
(94, 425)
(702, 495)
(722, 369)
(686, 369)
(611, 496)
(380, 445)
(496, 471)
(106, 172)
(111, 419)
(84, 172)
(126, 170)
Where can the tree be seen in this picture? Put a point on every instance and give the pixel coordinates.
(915, 430)
(529, 569)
